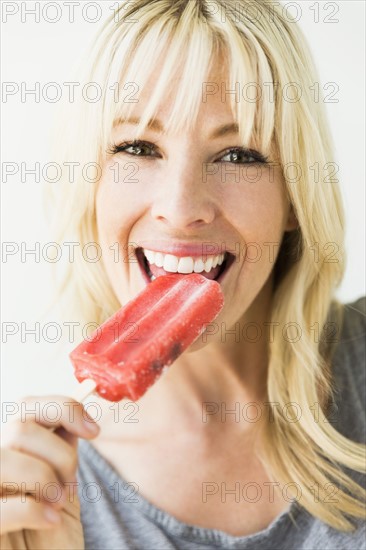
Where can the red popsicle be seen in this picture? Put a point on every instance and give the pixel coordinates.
(129, 352)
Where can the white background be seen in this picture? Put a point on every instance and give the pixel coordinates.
(43, 51)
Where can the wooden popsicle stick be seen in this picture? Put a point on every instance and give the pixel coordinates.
(85, 388)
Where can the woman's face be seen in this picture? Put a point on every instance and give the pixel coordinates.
(191, 195)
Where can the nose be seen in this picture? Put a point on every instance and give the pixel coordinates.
(184, 201)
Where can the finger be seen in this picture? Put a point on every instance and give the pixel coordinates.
(58, 410)
(18, 513)
(71, 439)
(34, 440)
(21, 473)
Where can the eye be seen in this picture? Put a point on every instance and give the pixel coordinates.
(134, 148)
(241, 155)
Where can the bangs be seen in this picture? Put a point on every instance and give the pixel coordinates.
(188, 52)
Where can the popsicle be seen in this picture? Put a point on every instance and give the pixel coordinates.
(130, 351)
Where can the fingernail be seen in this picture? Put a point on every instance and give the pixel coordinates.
(51, 515)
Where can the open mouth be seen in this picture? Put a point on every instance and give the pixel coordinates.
(156, 264)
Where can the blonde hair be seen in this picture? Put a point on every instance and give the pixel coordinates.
(263, 47)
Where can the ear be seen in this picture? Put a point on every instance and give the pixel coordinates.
(292, 222)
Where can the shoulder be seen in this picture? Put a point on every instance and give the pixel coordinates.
(350, 338)
(353, 329)
(321, 535)
(348, 367)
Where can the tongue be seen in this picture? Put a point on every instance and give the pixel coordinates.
(158, 271)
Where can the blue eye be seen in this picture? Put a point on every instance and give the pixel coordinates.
(240, 155)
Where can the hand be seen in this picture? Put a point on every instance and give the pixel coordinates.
(37, 462)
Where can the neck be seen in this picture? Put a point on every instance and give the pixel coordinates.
(210, 385)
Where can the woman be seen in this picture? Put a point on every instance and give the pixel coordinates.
(205, 133)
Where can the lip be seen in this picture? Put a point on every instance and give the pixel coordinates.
(181, 249)
(139, 254)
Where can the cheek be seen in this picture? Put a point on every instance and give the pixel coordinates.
(257, 206)
(117, 211)
(119, 201)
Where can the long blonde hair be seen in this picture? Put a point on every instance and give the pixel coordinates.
(264, 48)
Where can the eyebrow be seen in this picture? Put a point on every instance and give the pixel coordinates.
(157, 126)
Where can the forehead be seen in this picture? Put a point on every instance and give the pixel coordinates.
(186, 83)
(214, 106)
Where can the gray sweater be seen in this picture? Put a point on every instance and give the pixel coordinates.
(115, 516)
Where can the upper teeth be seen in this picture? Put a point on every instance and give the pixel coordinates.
(187, 264)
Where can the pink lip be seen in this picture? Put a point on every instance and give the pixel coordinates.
(185, 249)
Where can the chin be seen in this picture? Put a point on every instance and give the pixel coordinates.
(203, 340)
